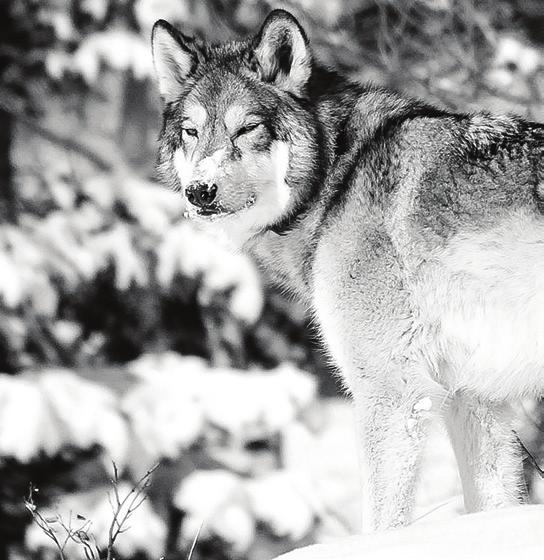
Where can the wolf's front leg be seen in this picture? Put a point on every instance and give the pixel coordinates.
(392, 428)
(488, 454)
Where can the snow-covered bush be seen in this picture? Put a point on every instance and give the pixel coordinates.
(229, 507)
(171, 403)
(181, 401)
(215, 504)
(75, 243)
(278, 500)
(127, 236)
(191, 253)
(52, 410)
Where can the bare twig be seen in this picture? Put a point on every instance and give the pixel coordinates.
(193, 545)
(133, 500)
(80, 533)
(531, 457)
(44, 524)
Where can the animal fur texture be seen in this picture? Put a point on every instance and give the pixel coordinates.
(414, 235)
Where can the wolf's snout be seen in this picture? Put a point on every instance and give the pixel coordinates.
(201, 194)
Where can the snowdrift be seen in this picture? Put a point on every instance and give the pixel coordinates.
(507, 534)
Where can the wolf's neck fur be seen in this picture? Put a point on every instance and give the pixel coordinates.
(285, 253)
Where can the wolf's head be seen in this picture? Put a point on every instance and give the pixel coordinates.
(239, 138)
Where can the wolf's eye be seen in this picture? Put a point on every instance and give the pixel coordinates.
(246, 129)
(193, 132)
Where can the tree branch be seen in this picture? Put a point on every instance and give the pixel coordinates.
(58, 139)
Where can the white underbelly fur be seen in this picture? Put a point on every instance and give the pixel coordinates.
(482, 302)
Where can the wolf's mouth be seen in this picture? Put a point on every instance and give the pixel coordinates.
(215, 211)
(211, 214)
(208, 211)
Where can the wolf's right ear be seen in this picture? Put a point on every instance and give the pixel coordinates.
(174, 58)
(281, 53)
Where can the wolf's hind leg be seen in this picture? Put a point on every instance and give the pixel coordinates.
(488, 454)
(392, 427)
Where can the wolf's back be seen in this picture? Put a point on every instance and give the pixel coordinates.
(471, 172)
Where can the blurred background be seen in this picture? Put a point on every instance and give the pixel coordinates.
(128, 337)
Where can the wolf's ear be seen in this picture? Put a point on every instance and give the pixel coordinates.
(174, 58)
(281, 53)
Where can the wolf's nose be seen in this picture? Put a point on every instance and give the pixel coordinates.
(201, 194)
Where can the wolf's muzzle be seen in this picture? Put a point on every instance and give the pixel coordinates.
(201, 194)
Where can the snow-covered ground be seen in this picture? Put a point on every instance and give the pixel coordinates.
(508, 534)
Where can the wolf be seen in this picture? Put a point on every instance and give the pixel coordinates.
(414, 235)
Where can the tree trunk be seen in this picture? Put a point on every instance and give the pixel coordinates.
(8, 199)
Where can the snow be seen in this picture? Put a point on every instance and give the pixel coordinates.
(276, 500)
(301, 387)
(54, 409)
(62, 25)
(149, 11)
(235, 526)
(510, 50)
(24, 275)
(96, 8)
(440, 485)
(72, 244)
(195, 398)
(115, 246)
(241, 404)
(100, 190)
(11, 288)
(202, 493)
(229, 506)
(148, 366)
(328, 463)
(56, 64)
(495, 535)
(154, 207)
(22, 415)
(86, 63)
(66, 332)
(164, 419)
(215, 504)
(118, 48)
(193, 253)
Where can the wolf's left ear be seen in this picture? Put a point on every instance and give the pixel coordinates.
(281, 53)
(174, 58)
